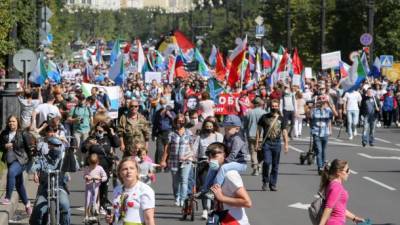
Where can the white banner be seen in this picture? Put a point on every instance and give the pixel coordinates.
(330, 60)
(149, 76)
(308, 72)
(113, 92)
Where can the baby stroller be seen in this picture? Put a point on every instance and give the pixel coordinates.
(308, 156)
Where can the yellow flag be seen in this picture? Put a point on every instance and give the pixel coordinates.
(393, 73)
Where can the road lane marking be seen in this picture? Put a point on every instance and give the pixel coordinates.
(380, 183)
(398, 145)
(353, 172)
(296, 149)
(299, 205)
(335, 139)
(383, 140)
(378, 157)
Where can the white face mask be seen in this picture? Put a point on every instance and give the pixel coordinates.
(213, 164)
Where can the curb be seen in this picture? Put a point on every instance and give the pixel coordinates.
(7, 211)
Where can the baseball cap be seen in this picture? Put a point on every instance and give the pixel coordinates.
(54, 141)
(232, 121)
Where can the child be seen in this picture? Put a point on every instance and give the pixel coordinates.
(146, 166)
(93, 173)
(238, 154)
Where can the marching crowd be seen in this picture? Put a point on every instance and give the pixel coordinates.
(59, 128)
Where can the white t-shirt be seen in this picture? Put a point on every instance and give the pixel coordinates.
(207, 108)
(352, 100)
(43, 110)
(138, 199)
(231, 184)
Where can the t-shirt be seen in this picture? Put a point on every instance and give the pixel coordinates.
(203, 141)
(207, 108)
(85, 114)
(26, 110)
(336, 199)
(129, 204)
(352, 100)
(231, 184)
(43, 110)
(266, 121)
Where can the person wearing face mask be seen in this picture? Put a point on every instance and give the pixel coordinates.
(101, 141)
(272, 126)
(162, 126)
(370, 107)
(232, 193)
(208, 134)
(50, 158)
(179, 152)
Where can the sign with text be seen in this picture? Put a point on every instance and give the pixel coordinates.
(330, 60)
(227, 104)
(149, 76)
(308, 72)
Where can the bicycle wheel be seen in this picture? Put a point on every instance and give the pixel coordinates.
(192, 206)
(53, 213)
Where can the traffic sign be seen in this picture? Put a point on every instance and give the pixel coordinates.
(46, 26)
(46, 13)
(260, 30)
(366, 39)
(27, 57)
(386, 60)
(259, 20)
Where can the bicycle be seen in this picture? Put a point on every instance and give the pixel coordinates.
(191, 203)
(53, 198)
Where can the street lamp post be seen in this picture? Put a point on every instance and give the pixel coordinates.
(371, 14)
(323, 24)
(288, 26)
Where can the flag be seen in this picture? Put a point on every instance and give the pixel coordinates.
(171, 69)
(258, 71)
(266, 59)
(183, 42)
(39, 75)
(220, 70)
(115, 52)
(99, 56)
(203, 68)
(343, 69)
(214, 88)
(53, 72)
(212, 60)
(117, 71)
(356, 76)
(364, 62)
(252, 58)
(127, 48)
(180, 71)
(87, 73)
(296, 63)
(160, 64)
(141, 57)
(236, 58)
(245, 71)
(376, 68)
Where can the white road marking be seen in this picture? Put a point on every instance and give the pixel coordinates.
(335, 139)
(380, 183)
(299, 205)
(353, 172)
(382, 140)
(398, 145)
(357, 145)
(378, 157)
(295, 149)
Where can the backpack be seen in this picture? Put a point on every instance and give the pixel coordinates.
(388, 103)
(316, 209)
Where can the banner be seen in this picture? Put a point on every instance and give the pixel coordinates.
(227, 104)
(113, 93)
(392, 73)
(330, 60)
(149, 76)
(308, 72)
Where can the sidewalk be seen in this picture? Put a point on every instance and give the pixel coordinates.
(15, 212)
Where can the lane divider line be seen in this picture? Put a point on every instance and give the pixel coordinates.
(383, 140)
(380, 183)
(378, 157)
(353, 172)
(296, 149)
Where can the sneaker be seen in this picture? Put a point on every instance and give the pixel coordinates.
(102, 211)
(93, 219)
(255, 172)
(28, 209)
(351, 137)
(355, 132)
(264, 187)
(198, 194)
(273, 188)
(378, 124)
(204, 215)
(181, 203)
(364, 144)
(177, 202)
(5, 201)
(371, 144)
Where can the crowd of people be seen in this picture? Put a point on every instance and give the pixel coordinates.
(183, 122)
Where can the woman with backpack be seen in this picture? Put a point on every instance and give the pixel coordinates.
(335, 211)
(388, 108)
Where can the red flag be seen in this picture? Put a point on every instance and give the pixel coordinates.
(220, 69)
(180, 68)
(182, 41)
(282, 64)
(234, 75)
(127, 48)
(297, 64)
(247, 75)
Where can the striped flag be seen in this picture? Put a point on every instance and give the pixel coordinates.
(115, 52)
(39, 75)
(117, 71)
(203, 68)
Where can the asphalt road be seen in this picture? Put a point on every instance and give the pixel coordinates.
(374, 185)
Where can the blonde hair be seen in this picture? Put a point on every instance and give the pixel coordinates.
(124, 160)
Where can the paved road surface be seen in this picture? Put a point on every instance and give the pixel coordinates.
(374, 185)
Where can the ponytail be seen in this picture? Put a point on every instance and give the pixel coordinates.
(330, 172)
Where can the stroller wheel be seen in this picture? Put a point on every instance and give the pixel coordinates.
(302, 158)
(192, 212)
(310, 159)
